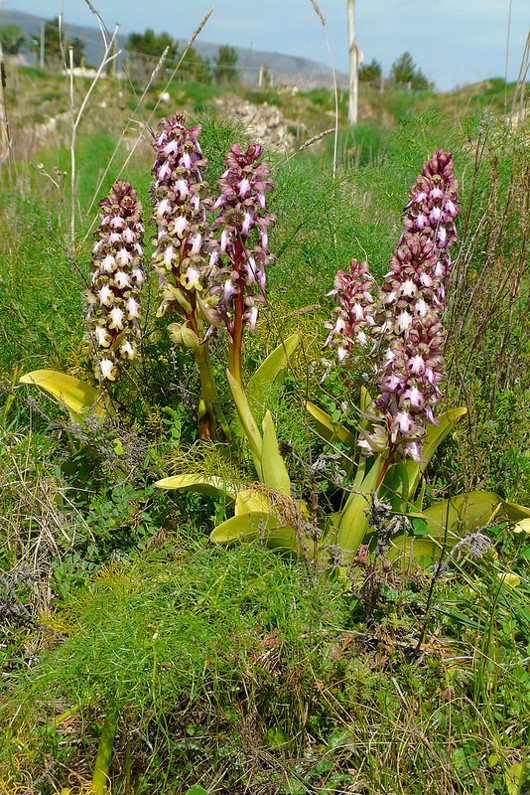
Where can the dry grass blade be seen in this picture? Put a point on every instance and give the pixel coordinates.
(315, 139)
(318, 12)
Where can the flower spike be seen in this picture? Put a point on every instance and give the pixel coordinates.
(114, 295)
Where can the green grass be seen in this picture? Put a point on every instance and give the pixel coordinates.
(237, 668)
(269, 667)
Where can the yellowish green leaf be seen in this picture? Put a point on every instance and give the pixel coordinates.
(274, 471)
(329, 430)
(353, 524)
(256, 524)
(513, 777)
(209, 485)
(515, 513)
(509, 578)
(79, 398)
(462, 514)
(250, 501)
(422, 550)
(272, 368)
(247, 421)
(522, 527)
(434, 436)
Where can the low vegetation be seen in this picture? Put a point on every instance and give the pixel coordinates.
(206, 585)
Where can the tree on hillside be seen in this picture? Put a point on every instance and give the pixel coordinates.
(78, 50)
(194, 68)
(151, 43)
(56, 44)
(370, 72)
(54, 41)
(12, 39)
(404, 70)
(225, 65)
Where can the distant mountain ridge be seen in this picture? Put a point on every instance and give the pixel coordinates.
(285, 69)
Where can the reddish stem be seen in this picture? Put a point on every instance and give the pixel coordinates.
(236, 345)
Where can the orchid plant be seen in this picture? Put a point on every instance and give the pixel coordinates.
(210, 253)
(113, 306)
(399, 329)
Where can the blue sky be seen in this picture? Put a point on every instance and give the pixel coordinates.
(452, 41)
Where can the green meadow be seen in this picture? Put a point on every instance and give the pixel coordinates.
(138, 655)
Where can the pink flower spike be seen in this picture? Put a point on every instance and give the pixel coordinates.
(244, 188)
(116, 278)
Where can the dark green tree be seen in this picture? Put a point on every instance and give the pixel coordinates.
(404, 70)
(194, 68)
(12, 39)
(371, 71)
(54, 41)
(151, 43)
(56, 44)
(225, 65)
(78, 47)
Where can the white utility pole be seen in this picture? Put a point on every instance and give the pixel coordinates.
(355, 60)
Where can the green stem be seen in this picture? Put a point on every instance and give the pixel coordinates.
(100, 776)
(211, 416)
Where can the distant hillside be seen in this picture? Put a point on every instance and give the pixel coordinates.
(284, 69)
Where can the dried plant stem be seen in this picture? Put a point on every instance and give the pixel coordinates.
(322, 19)
(151, 115)
(109, 55)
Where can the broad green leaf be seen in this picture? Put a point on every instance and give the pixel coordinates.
(284, 537)
(329, 430)
(522, 526)
(364, 404)
(421, 550)
(247, 421)
(515, 513)
(509, 578)
(395, 486)
(353, 524)
(249, 526)
(100, 775)
(433, 438)
(401, 480)
(209, 485)
(274, 365)
(360, 473)
(79, 398)
(462, 514)
(274, 471)
(244, 527)
(250, 501)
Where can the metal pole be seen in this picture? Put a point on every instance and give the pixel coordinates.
(41, 58)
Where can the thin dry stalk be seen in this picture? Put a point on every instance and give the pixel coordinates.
(109, 55)
(147, 124)
(335, 86)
